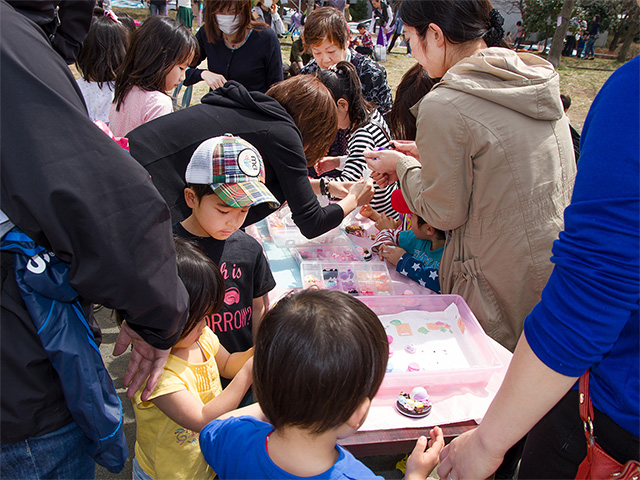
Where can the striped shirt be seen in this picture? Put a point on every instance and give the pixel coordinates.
(373, 135)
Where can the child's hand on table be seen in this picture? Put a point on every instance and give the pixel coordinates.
(391, 253)
(385, 222)
(423, 460)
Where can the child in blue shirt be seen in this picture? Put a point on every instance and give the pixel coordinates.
(320, 358)
(416, 253)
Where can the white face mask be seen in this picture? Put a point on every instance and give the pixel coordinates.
(228, 23)
(267, 3)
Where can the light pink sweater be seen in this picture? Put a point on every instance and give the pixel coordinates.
(139, 107)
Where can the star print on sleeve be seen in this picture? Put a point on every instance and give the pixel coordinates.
(410, 267)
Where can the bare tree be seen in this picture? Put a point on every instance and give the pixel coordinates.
(634, 28)
(511, 6)
(558, 35)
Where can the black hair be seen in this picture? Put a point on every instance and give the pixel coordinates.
(414, 85)
(343, 82)
(421, 221)
(460, 20)
(362, 25)
(202, 280)
(200, 190)
(156, 47)
(127, 21)
(103, 50)
(319, 354)
(519, 23)
(566, 101)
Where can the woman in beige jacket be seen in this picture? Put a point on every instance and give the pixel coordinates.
(492, 163)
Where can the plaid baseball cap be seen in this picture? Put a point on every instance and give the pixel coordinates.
(234, 169)
(398, 202)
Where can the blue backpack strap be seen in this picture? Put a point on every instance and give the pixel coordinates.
(67, 338)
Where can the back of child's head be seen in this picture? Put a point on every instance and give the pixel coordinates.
(156, 47)
(319, 354)
(128, 21)
(414, 85)
(343, 82)
(566, 101)
(202, 280)
(326, 23)
(103, 50)
(400, 205)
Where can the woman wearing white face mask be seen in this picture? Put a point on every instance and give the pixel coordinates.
(236, 48)
(267, 11)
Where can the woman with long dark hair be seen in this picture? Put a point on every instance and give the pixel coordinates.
(492, 163)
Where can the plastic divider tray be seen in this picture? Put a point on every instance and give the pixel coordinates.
(285, 233)
(437, 337)
(343, 250)
(355, 278)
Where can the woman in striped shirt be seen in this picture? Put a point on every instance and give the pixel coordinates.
(366, 129)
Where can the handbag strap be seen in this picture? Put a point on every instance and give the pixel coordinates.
(586, 407)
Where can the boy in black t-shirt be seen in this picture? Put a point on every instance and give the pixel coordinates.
(225, 177)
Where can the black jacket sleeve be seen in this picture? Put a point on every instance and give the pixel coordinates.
(74, 191)
(287, 178)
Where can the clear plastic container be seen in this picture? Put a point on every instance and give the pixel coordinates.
(354, 278)
(435, 340)
(285, 233)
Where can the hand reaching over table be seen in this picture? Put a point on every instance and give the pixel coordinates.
(391, 253)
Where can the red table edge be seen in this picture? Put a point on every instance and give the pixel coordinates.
(397, 441)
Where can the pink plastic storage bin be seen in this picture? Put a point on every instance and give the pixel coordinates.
(450, 349)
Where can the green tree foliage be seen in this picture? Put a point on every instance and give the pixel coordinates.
(541, 16)
(359, 10)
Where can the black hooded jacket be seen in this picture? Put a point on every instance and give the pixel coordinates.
(74, 191)
(164, 147)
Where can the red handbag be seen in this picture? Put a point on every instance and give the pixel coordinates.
(598, 464)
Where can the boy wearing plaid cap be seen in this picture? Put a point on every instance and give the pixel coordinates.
(224, 178)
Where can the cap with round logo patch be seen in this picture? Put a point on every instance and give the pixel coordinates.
(234, 169)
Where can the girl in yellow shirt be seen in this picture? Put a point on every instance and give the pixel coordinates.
(189, 394)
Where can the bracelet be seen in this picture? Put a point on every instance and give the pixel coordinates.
(324, 187)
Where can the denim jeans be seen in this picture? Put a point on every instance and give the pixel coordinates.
(137, 473)
(589, 48)
(58, 454)
(157, 10)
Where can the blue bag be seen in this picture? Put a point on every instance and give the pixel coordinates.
(60, 322)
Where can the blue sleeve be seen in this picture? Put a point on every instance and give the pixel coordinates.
(416, 271)
(593, 290)
(194, 75)
(207, 439)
